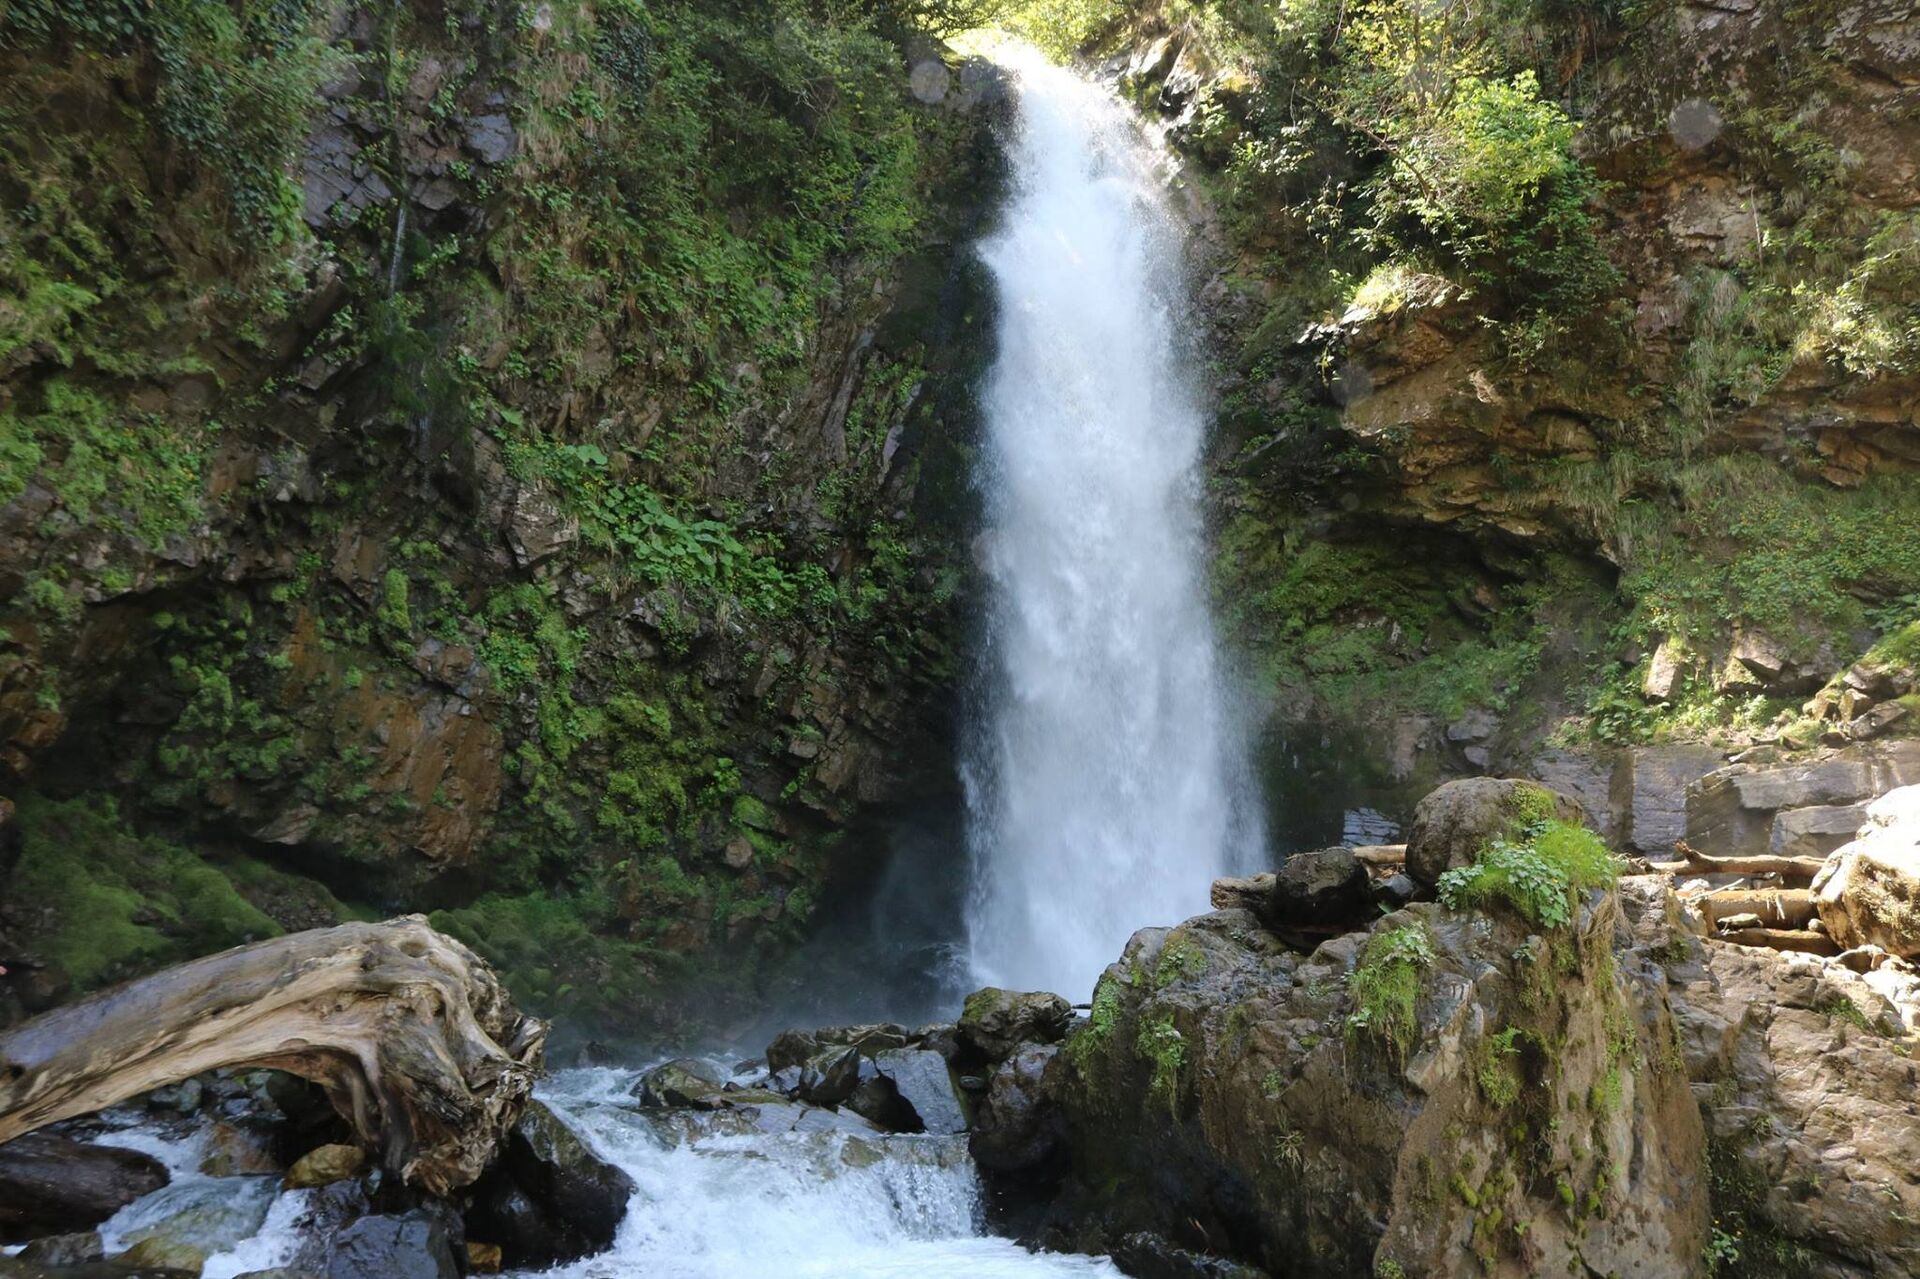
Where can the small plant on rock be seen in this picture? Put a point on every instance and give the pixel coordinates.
(1386, 985)
(1538, 873)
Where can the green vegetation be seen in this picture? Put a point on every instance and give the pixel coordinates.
(1385, 986)
(124, 902)
(1160, 1043)
(1538, 870)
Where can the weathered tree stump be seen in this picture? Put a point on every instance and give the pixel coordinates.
(412, 1036)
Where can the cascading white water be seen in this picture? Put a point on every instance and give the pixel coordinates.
(1103, 776)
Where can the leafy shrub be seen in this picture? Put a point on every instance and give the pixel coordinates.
(1537, 874)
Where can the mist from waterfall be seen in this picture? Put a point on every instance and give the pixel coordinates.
(1105, 774)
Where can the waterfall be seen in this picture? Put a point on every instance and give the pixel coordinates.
(1104, 774)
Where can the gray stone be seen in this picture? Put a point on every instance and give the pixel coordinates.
(1018, 1127)
(922, 1080)
(1328, 884)
(51, 1184)
(413, 1245)
(830, 1078)
(1816, 831)
(1649, 791)
(994, 1022)
(685, 1081)
(491, 138)
(549, 1198)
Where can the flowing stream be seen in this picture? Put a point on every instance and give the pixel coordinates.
(1103, 776)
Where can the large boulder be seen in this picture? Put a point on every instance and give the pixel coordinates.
(1317, 887)
(1458, 819)
(1018, 1129)
(995, 1022)
(920, 1078)
(793, 1049)
(1521, 1112)
(1749, 809)
(1868, 893)
(54, 1185)
(549, 1198)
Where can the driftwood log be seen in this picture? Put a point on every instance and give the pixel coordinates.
(414, 1039)
(1696, 862)
(1806, 943)
(1777, 907)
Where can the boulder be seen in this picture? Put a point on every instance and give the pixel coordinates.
(1455, 821)
(1735, 810)
(1318, 887)
(1250, 892)
(1814, 831)
(1868, 893)
(791, 1049)
(921, 1079)
(64, 1250)
(412, 1245)
(53, 1185)
(995, 1022)
(685, 1081)
(830, 1078)
(549, 1198)
(1244, 1109)
(1648, 792)
(1019, 1128)
(324, 1165)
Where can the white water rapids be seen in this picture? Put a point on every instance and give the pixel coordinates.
(1102, 780)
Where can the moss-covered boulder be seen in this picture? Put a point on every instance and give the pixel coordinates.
(1456, 821)
(1450, 1093)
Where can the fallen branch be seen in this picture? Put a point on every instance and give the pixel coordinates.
(1778, 907)
(1699, 862)
(1381, 854)
(414, 1039)
(1781, 939)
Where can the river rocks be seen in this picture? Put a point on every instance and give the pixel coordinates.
(792, 1048)
(1868, 893)
(1019, 1128)
(685, 1081)
(413, 1245)
(995, 1022)
(830, 1077)
(1532, 1121)
(64, 1250)
(188, 1221)
(549, 1198)
(1319, 887)
(50, 1184)
(921, 1079)
(324, 1165)
(1454, 822)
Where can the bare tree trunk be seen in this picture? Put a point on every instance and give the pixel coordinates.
(1776, 907)
(414, 1039)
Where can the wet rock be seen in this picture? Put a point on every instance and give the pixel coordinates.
(238, 1148)
(199, 1218)
(830, 1077)
(1395, 891)
(686, 1081)
(64, 1250)
(1868, 893)
(921, 1079)
(994, 1022)
(1317, 887)
(792, 1048)
(1453, 823)
(162, 1253)
(549, 1198)
(1019, 1129)
(325, 1165)
(53, 1185)
(413, 1245)
(1151, 1256)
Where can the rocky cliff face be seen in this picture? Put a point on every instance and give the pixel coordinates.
(1623, 454)
(490, 456)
